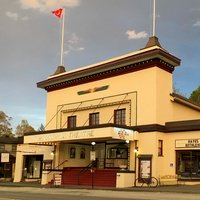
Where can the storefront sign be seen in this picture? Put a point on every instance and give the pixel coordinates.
(4, 157)
(190, 143)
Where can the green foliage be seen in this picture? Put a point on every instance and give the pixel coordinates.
(178, 91)
(195, 96)
(5, 126)
(41, 128)
(23, 128)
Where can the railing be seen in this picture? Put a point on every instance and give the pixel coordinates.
(90, 166)
(56, 168)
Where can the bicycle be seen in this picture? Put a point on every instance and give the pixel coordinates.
(150, 182)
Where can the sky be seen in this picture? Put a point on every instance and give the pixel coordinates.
(95, 30)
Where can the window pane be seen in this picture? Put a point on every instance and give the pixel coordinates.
(2, 147)
(94, 119)
(160, 148)
(14, 147)
(120, 116)
(72, 152)
(72, 122)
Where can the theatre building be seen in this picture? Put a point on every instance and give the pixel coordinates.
(114, 121)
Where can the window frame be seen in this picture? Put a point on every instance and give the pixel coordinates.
(14, 147)
(120, 116)
(71, 121)
(82, 153)
(72, 152)
(94, 119)
(160, 147)
(2, 147)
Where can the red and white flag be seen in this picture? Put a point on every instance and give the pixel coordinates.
(58, 13)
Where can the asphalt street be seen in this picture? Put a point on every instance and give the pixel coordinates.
(34, 193)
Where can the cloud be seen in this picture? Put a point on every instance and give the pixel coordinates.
(73, 44)
(81, 48)
(24, 18)
(197, 24)
(15, 16)
(11, 15)
(46, 5)
(74, 39)
(132, 34)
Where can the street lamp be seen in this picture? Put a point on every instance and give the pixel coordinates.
(52, 153)
(93, 145)
(135, 167)
(93, 159)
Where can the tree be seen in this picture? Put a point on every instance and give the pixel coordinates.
(41, 128)
(178, 91)
(5, 126)
(23, 128)
(195, 96)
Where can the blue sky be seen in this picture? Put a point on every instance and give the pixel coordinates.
(95, 30)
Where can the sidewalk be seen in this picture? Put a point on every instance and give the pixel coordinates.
(190, 189)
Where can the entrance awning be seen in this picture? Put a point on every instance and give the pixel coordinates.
(90, 134)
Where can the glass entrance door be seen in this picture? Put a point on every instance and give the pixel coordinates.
(32, 166)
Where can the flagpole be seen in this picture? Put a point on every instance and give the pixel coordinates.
(154, 18)
(62, 38)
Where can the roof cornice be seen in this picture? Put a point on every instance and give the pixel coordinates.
(140, 60)
(186, 102)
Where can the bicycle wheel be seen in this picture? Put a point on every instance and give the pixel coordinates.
(153, 182)
(138, 182)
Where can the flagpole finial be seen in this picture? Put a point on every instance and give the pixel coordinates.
(153, 41)
(59, 70)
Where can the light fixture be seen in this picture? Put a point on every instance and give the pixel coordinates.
(136, 150)
(52, 153)
(93, 143)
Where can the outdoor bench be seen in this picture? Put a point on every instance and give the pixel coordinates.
(168, 180)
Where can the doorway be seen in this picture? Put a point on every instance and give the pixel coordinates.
(32, 168)
(188, 164)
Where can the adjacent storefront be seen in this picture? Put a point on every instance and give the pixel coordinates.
(188, 158)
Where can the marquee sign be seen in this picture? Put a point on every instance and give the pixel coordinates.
(78, 135)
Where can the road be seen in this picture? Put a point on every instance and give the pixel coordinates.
(31, 193)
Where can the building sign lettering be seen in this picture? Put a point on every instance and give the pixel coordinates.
(189, 143)
(81, 134)
(91, 134)
(71, 135)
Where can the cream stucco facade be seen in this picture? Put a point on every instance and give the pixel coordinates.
(121, 104)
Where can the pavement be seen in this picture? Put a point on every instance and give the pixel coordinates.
(189, 189)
